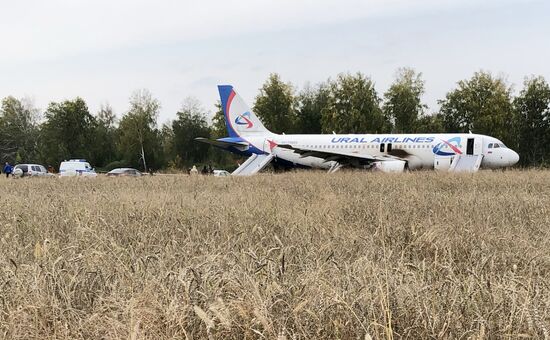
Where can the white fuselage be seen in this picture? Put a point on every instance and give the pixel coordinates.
(421, 151)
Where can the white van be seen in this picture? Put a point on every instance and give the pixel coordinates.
(76, 167)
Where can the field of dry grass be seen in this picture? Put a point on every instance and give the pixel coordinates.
(299, 255)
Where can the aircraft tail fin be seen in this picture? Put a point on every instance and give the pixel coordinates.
(239, 118)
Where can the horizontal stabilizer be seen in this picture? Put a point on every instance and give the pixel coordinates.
(225, 143)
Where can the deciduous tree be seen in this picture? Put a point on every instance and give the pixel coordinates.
(191, 123)
(105, 136)
(353, 106)
(218, 128)
(275, 105)
(18, 130)
(533, 121)
(482, 104)
(430, 123)
(139, 141)
(403, 101)
(311, 102)
(68, 132)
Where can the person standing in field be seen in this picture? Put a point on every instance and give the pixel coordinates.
(8, 169)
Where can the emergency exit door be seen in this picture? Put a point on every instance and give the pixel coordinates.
(470, 146)
(474, 146)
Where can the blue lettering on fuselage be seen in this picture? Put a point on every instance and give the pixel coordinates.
(383, 140)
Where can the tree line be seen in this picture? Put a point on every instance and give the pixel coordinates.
(349, 103)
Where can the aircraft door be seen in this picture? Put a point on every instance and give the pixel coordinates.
(470, 146)
(474, 146)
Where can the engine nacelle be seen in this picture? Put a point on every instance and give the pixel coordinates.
(389, 166)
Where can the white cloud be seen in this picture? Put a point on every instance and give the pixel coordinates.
(37, 29)
(103, 50)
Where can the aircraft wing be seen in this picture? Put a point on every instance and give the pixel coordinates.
(345, 156)
(224, 143)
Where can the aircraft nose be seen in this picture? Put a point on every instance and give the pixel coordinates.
(514, 157)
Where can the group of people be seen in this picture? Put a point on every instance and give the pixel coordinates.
(205, 170)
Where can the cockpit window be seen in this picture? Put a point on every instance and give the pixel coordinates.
(497, 145)
(490, 145)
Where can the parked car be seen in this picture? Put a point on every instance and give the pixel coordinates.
(131, 172)
(30, 170)
(221, 173)
(76, 167)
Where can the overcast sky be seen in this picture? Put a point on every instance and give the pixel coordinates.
(103, 50)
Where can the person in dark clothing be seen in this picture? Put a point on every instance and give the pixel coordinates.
(204, 170)
(8, 169)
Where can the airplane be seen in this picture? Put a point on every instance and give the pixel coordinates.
(383, 152)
